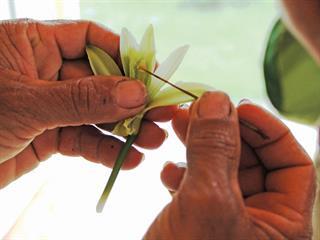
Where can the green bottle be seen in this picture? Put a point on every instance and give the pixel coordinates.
(292, 80)
(292, 77)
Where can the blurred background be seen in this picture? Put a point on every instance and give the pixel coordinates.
(227, 39)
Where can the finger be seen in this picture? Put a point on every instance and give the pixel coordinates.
(73, 36)
(8, 173)
(251, 172)
(90, 143)
(279, 206)
(303, 19)
(161, 114)
(95, 99)
(151, 136)
(172, 175)
(180, 124)
(210, 185)
(279, 149)
(250, 168)
(289, 168)
(28, 159)
(72, 69)
(84, 141)
(15, 167)
(213, 153)
(213, 140)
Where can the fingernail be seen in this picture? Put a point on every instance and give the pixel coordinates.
(166, 164)
(181, 165)
(244, 101)
(214, 105)
(143, 157)
(171, 192)
(166, 133)
(184, 106)
(130, 94)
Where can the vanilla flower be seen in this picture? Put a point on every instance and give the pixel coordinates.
(135, 57)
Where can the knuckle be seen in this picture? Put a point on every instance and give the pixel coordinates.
(209, 200)
(90, 97)
(83, 96)
(214, 142)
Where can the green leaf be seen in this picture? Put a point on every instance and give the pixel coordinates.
(292, 77)
(172, 96)
(167, 69)
(101, 63)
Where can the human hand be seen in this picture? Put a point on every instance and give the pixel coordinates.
(48, 97)
(263, 191)
(303, 17)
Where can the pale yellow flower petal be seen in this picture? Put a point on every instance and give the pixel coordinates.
(127, 127)
(172, 96)
(147, 44)
(101, 63)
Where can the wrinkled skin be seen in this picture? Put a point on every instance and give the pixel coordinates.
(238, 184)
(271, 194)
(48, 97)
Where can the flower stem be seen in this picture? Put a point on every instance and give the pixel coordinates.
(116, 168)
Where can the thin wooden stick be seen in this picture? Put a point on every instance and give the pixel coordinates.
(171, 84)
(243, 122)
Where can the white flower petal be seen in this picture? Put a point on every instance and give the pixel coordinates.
(167, 69)
(147, 44)
(128, 44)
(101, 63)
(128, 39)
(172, 96)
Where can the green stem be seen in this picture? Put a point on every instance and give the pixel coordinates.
(115, 171)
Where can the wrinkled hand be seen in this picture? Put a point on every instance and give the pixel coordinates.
(263, 191)
(37, 108)
(303, 17)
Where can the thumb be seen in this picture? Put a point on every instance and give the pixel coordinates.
(213, 150)
(94, 99)
(213, 138)
(208, 200)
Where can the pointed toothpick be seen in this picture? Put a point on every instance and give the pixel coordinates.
(166, 81)
(243, 122)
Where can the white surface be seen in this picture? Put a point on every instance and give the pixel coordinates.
(48, 9)
(4, 10)
(74, 186)
(65, 208)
